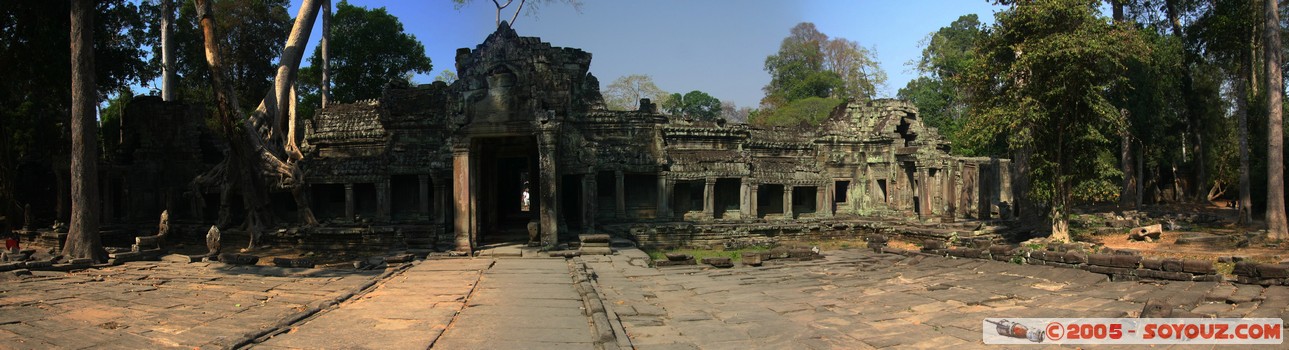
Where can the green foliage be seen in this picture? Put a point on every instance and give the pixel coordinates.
(946, 55)
(696, 105)
(368, 50)
(110, 122)
(810, 65)
(252, 33)
(1045, 80)
(808, 111)
(35, 89)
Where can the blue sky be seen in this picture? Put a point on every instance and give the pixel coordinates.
(717, 46)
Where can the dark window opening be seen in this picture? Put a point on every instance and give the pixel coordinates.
(881, 188)
(769, 199)
(840, 191)
(803, 199)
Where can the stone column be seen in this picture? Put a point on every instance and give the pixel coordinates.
(424, 191)
(924, 196)
(823, 201)
(382, 200)
(620, 195)
(549, 195)
(461, 197)
(664, 197)
(588, 202)
(440, 207)
(745, 195)
(787, 202)
(349, 201)
(709, 198)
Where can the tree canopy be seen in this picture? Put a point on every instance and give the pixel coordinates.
(696, 105)
(808, 65)
(946, 55)
(625, 92)
(368, 50)
(1044, 82)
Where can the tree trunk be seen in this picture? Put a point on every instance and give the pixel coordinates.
(83, 239)
(1245, 214)
(325, 47)
(1140, 191)
(1192, 104)
(259, 154)
(1276, 224)
(167, 51)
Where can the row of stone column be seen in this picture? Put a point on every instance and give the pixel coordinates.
(383, 209)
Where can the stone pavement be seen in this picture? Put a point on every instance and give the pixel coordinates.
(522, 304)
(456, 304)
(150, 305)
(864, 300)
(852, 299)
(409, 310)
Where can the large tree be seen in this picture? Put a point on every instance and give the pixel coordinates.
(946, 55)
(1276, 222)
(368, 50)
(625, 92)
(809, 64)
(696, 105)
(250, 38)
(261, 157)
(34, 136)
(83, 240)
(1043, 81)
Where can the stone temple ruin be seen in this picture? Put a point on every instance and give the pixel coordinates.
(528, 117)
(522, 143)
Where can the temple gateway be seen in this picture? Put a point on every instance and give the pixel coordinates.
(523, 141)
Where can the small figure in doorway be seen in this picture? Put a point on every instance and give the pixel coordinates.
(526, 197)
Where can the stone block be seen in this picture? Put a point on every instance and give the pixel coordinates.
(238, 259)
(1108, 270)
(1114, 260)
(1202, 267)
(668, 262)
(1163, 275)
(722, 262)
(1273, 271)
(932, 244)
(1172, 265)
(1075, 257)
(181, 258)
(679, 256)
(752, 258)
(35, 265)
(293, 262)
(1246, 269)
(1152, 263)
(595, 238)
(399, 258)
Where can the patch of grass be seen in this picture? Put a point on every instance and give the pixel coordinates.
(1222, 268)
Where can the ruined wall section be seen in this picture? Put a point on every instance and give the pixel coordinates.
(346, 144)
(164, 145)
(418, 121)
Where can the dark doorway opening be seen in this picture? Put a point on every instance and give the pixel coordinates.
(508, 185)
(727, 196)
(803, 199)
(769, 199)
(641, 195)
(571, 201)
(328, 201)
(605, 189)
(687, 196)
(405, 199)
